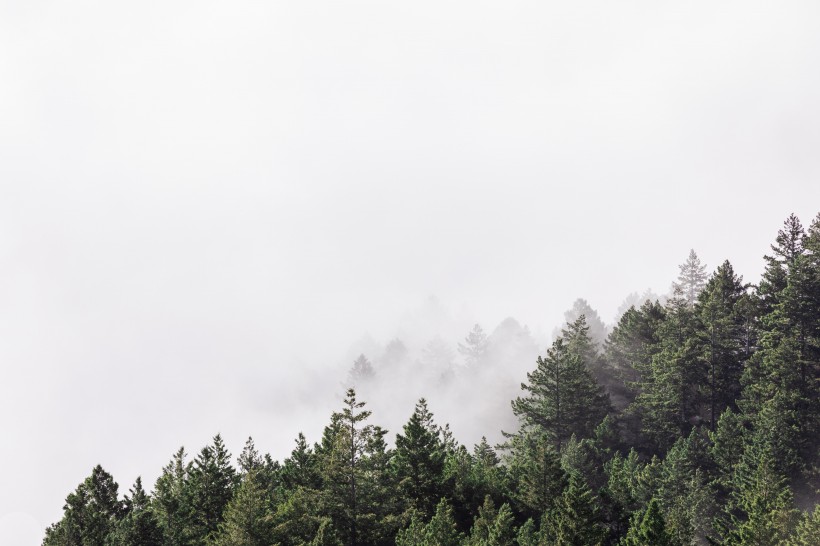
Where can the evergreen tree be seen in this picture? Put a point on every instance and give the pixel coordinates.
(139, 526)
(807, 532)
(727, 444)
(632, 483)
(762, 510)
(574, 518)
(301, 468)
(90, 514)
(780, 382)
(691, 279)
(667, 402)
(648, 529)
(441, 530)
(250, 460)
(353, 484)
(597, 328)
(418, 461)
(248, 519)
(563, 397)
(209, 488)
(629, 350)
(361, 372)
(299, 518)
(720, 329)
(474, 348)
(527, 534)
(169, 502)
(535, 473)
(326, 534)
(684, 491)
(492, 527)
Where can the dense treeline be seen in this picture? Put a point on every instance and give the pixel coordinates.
(697, 421)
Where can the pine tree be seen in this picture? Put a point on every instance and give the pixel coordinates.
(727, 447)
(597, 328)
(418, 461)
(563, 397)
(474, 348)
(492, 527)
(441, 530)
(762, 510)
(668, 393)
(169, 501)
(807, 532)
(692, 278)
(535, 473)
(139, 526)
(326, 534)
(353, 467)
(721, 335)
(780, 381)
(248, 520)
(91, 513)
(527, 534)
(211, 484)
(629, 350)
(648, 529)
(361, 372)
(299, 518)
(249, 460)
(684, 491)
(574, 518)
(301, 468)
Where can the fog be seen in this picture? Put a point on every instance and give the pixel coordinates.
(209, 209)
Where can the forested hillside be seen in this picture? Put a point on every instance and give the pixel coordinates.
(695, 421)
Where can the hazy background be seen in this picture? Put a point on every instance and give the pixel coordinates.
(206, 206)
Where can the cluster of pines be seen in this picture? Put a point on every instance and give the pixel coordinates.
(706, 433)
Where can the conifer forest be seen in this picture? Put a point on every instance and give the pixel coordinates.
(695, 419)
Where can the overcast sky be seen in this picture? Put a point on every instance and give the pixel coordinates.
(199, 196)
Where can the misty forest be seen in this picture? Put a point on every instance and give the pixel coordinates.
(694, 419)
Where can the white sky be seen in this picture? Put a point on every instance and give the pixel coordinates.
(195, 196)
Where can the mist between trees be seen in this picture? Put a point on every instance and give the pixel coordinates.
(693, 419)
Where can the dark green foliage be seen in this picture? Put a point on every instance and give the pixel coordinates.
(90, 513)
(139, 526)
(634, 340)
(248, 520)
(356, 490)
(441, 530)
(722, 340)
(208, 490)
(249, 460)
(492, 527)
(648, 529)
(713, 438)
(667, 402)
(301, 468)
(807, 532)
(763, 511)
(563, 398)
(597, 328)
(418, 461)
(169, 502)
(574, 517)
(536, 476)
